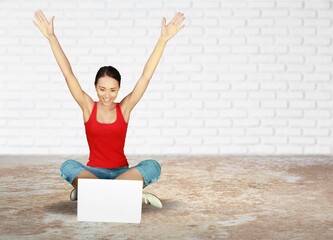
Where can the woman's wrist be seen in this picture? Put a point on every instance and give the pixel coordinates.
(163, 40)
(51, 37)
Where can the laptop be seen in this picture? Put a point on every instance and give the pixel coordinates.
(107, 200)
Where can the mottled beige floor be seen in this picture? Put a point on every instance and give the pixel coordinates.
(204, 198)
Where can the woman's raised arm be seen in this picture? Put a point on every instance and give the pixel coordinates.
(167, 32)
(47, 29)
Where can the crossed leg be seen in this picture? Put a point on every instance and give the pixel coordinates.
(83, 174)
(131, 174)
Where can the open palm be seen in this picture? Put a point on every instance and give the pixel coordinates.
(174, 26)
(45, 26)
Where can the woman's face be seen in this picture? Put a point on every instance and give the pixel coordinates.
(107, 89)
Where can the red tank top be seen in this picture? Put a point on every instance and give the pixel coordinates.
(106, 140)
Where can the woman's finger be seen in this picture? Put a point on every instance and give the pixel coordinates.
(180, 20)
(37, 25)
(52, 20)
(43, 16)
(163, 23)
(173, 20)
(37, 17)
(181, 27)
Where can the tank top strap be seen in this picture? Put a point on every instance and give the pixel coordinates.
(119, 113)
(94, 112)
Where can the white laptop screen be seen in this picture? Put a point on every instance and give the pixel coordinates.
(106, 200)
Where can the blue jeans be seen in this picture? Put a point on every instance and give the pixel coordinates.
(149, 169)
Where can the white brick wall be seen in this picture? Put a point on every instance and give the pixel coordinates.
(243, 77)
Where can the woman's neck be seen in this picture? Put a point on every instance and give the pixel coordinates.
(104, 107)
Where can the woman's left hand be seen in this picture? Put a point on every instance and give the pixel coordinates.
(174, 26)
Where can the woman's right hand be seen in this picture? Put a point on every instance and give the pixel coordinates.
(45, 26)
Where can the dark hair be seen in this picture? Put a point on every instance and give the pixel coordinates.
(108, 71)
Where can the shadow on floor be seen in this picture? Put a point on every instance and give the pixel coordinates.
(70, 208)
(63, 207)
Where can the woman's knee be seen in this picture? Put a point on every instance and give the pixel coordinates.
(150, 170)
(68, 165)
(70, 169)
(156, 166)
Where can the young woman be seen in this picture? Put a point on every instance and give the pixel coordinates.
(105, 120)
